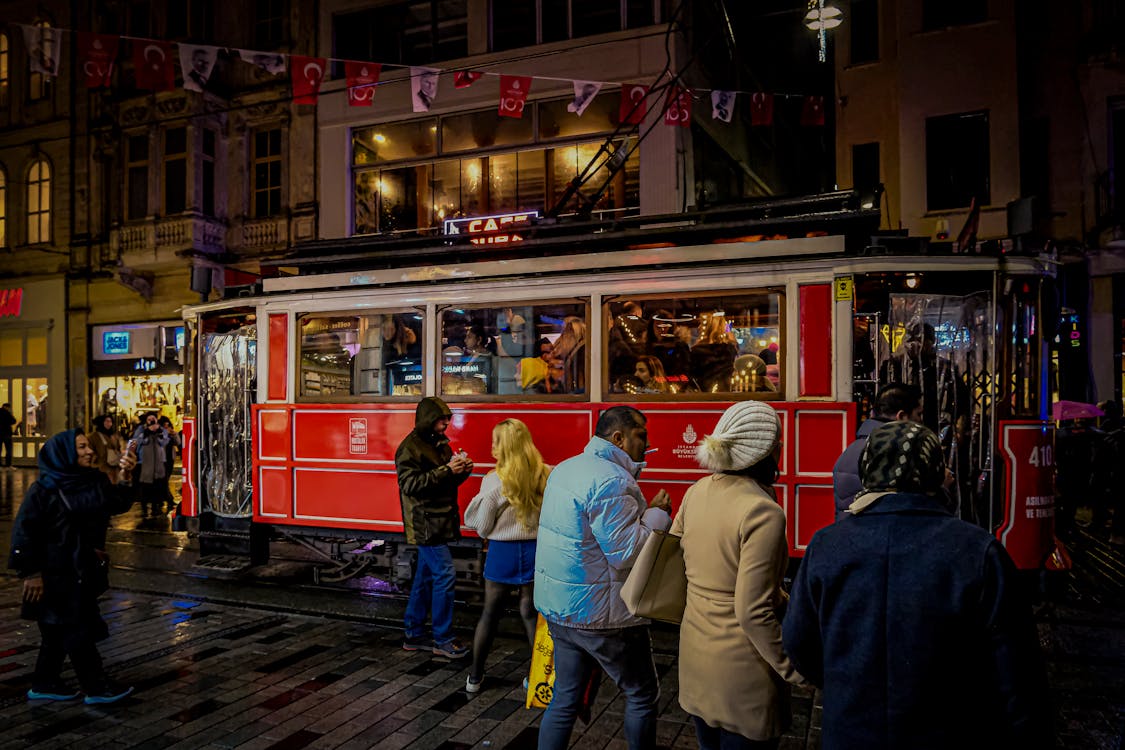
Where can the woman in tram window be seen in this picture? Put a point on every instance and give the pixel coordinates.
(733, 673)
(506, 513)
(712, 358)
(672, 351)
(651, 375)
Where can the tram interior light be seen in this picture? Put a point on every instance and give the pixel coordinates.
(912, 280)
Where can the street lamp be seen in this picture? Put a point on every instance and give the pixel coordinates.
(821, 17)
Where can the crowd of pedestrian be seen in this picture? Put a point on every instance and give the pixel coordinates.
(1090, 470)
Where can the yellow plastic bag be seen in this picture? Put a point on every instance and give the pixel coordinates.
(541, 680)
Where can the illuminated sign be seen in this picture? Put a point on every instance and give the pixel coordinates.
(116, 342)
(494, 230)
(11, 302)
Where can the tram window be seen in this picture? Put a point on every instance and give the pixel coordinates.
(361, 356)
(725, 344)
(514, 349)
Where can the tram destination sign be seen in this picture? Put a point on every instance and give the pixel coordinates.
(492, 230)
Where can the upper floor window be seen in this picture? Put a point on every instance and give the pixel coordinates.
(939, 14)
(207, 173)
(3, 209)
(136, 177)
(864, 27)
(269, 24)
(957, 154)
(267, 173)
(405, 33)
(519, 23)
(190, 19)
(39, 202)
(175, 170)
(140, 19)
(4, 80)
(39, 84)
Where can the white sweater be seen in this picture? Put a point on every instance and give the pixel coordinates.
(492, 515)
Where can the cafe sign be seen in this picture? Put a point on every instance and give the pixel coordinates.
(492, 230)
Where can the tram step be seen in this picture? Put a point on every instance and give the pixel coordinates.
(225, 563)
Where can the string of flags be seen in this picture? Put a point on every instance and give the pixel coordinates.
(154, 70)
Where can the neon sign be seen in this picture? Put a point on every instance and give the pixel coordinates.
(493, 230)
(11, 302)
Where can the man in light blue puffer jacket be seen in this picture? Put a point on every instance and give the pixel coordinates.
(592, 527)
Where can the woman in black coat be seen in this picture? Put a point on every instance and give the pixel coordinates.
(58, 548)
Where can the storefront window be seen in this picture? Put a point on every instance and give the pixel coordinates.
(11, 348)
(361, 355)
(600, 116)
(35, 407)
(395, 142)
(37, 346)
(128, 398)
(725, 344)
(518, 349)
(487, 129)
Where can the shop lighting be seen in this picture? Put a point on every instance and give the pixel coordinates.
(379, 138)
(821, 16)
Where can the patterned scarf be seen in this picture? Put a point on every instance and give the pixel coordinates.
(902, 457)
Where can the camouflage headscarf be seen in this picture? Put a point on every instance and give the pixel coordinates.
(902, 457)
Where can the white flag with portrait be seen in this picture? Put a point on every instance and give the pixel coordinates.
(722, 105)
(197, 62)
(584, 93)
(271, 62)
(423, 87)
(43, 49)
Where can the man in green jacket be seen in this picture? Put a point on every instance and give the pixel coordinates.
(428, 477)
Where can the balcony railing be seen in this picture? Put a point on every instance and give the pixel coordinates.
(165, 240)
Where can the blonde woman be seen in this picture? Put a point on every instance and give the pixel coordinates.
(506, 513)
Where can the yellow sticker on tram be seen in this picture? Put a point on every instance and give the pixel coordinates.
(844, 289)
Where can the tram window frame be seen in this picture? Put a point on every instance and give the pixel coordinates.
(440, 343)
(355, 364)
(659, 300)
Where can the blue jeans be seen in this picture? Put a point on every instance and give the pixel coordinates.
(625, 654)
(716, 738)
(432, 593)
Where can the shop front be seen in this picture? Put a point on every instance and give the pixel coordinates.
(135, 368)
(32, 362)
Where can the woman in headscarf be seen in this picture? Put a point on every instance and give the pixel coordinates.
(58, 548)
(733, 672)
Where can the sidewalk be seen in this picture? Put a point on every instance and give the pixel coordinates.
(217, 676)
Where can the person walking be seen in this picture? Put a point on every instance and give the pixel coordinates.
(506, 513)
(58, 549)
(911, 620)
(734, 674)
(593, 525)
(429, 474)
(174, 443)
(107, 446)
(152, 449)
(895, 402)
(7, 429)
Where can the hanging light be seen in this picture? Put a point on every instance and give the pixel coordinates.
(819, 18)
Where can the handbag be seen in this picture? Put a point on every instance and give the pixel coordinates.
(541, 677)
(656, 587)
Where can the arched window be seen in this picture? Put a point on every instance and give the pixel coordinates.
(3, 208)
(39, 202)
(3, 69)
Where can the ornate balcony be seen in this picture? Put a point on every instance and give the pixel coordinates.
(165, 241)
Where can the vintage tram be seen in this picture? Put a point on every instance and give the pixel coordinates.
(301, 393)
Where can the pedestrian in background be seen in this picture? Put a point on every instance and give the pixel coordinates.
(58, 549)
(107, 446)
(174, 443)
(592, 527)
(429, 474)
(7, 429)
(734, 674)
(911, 621)
(1110, 505)
(506, 513)
(152, 451)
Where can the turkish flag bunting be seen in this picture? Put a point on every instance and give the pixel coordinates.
(812, 113)
(152, 64)
(96, 53)
(362, 78)
(761, 108)
(306, 75)
(464, 78)
(678, 110)
(632, 110)
(513, 94)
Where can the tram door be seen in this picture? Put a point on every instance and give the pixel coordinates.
(227, 386)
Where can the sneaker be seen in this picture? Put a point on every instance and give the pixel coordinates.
(110, 694)
(525, 684)
(416, 643)
(53, 693)
(452, 650)
(472, 687)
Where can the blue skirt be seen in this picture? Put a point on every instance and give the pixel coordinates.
(510, 562)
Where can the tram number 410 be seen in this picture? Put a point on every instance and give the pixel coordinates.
(1041, 456)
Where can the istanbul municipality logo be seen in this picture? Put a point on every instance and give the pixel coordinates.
(686, 449)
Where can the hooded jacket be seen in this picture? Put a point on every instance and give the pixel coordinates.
(427, 486)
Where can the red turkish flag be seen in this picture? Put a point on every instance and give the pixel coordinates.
(632, 111)
(812, 112)
(678, 109)
(761, 108)
(464, 78)
(306, 75)
(513, 95)
(362, 78)
(96, 53)
(152, 65)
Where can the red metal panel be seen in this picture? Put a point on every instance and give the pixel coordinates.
(341, 433)
(275, 492)
(273, 434)
(1028, 530)
(347, 496)
(821, 437)
(279, 357)
(815, 340)
(189, 497)
(813, 508)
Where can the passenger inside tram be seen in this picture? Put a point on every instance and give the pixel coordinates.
(712, 357)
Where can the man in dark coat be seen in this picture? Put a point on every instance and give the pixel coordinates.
(910, 620)
(7, 425)
(895, 402)
(428, 477)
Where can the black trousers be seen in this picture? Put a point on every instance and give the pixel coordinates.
(6, 450)
(58, 642)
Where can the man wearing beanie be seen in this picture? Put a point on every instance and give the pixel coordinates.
(428, 477)
(911, 621)
(593, 525)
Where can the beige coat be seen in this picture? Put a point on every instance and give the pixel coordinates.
(733, 672)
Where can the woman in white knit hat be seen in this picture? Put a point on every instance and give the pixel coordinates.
(506, 513)
(733, 673)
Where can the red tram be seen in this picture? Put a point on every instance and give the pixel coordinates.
(301, 395)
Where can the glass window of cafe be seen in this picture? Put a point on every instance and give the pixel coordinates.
(729, 343)
(346, 356)
(23, 381)
(413, 175)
